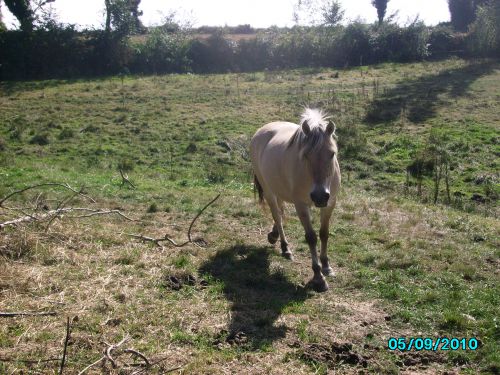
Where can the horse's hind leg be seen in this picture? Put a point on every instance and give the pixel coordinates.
(318, 282)
(276, 207)
(326, 213)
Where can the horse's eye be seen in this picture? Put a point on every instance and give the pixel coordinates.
(333, 155)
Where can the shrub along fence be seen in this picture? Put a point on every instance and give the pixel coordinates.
(60, 51)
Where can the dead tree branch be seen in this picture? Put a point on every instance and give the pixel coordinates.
(111, 348)
(199, 213)
(66, 340)
(198, 241)
(51, 215)
(27, 313)
(30, 361)
(154, 364)
(139, 354)
(103, 358)
(110, 356)
(125, 179)
(59, 207)
(65, 186)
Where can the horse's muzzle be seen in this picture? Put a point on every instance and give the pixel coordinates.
(320, 198)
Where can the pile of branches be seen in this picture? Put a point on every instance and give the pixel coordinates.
(111, 354)
(38, 209)
(44, 211)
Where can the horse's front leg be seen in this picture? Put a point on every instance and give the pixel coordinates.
(276, 207)
(318, 282)
(326, 213)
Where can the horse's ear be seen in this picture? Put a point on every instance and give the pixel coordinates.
(330, 128)
(306, 128)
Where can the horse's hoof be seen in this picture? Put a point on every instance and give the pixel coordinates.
(328, 271)
(287, 255)
(319, 286)
(272, 237)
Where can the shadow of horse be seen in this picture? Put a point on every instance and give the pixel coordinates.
(258, 294)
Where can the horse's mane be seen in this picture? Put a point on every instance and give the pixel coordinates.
(317, 121)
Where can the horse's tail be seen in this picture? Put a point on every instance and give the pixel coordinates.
(257, 187)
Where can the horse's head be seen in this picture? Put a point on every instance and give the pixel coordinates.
(319, 150)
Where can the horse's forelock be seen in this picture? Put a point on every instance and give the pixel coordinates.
(314, 117)
(308, 143)
(317, 121)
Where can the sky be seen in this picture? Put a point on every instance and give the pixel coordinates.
(258, 13)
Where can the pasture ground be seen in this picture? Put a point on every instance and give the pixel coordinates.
(405, 267)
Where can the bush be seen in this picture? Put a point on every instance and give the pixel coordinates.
(355, 45)
(52, 52)
(484, 37)
(59, 51)
(253, 54)
(126, 165)
(41, 139)
(162, 52)
(66, 133)
(214, 55)
(400, 44)
(153, 207)
(443, 42)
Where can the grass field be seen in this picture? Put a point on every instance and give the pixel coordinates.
(405, 267)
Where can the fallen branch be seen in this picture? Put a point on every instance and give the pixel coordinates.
(109, 350)
(139, 354)
(197, 241)
(59, 207)
(154, 364)
(66, 186)
(66, 340)
(27, 313)
(97, 212)
(56, 213)
(29, 360)
(103, 358)
(197, 216)
(108, 355)
(125, 179)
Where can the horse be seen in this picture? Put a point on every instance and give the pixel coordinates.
(298, 164)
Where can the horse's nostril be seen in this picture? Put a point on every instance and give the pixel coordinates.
(320, 198)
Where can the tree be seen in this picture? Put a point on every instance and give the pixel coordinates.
(21, 9)
(463, 12)
(381, 6)
(318, 12)
(484, 32)
(136, 13)
(2, 25)
(28, 12)
(333, 13)
(123, 16)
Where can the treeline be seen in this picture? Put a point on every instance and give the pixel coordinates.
(59, 51)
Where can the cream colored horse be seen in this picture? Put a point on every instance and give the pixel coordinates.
(298, 164)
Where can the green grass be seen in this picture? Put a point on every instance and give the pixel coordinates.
(404, 266)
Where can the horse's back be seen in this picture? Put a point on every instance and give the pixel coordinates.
(271, 159)
(273, 135)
